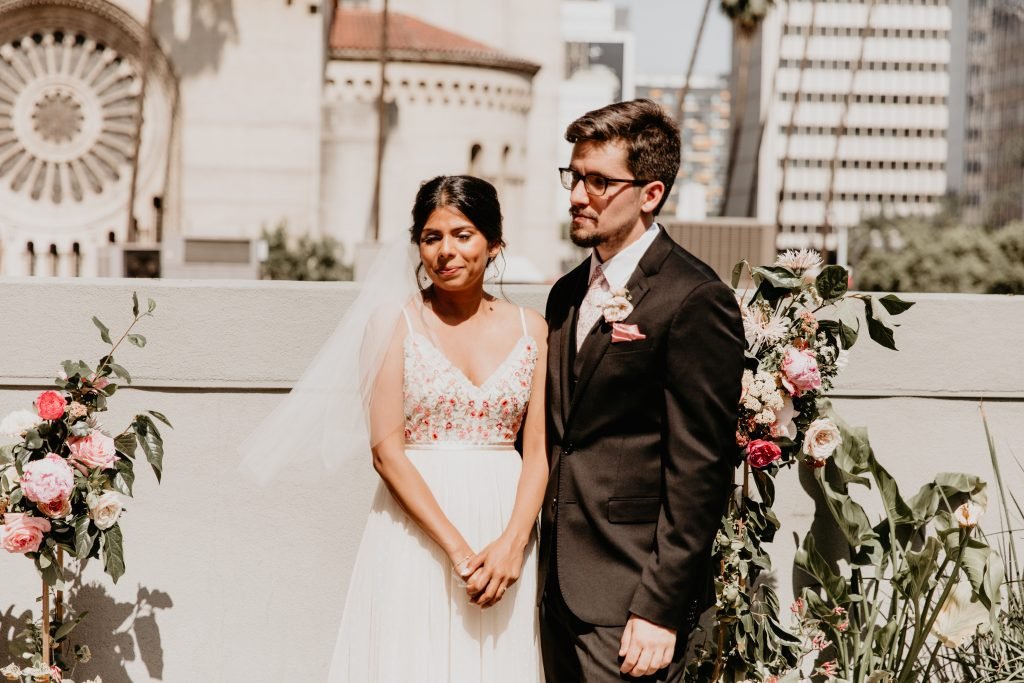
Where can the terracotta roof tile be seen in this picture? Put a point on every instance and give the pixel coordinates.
(355, 34)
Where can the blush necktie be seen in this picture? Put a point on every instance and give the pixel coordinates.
(590, 309)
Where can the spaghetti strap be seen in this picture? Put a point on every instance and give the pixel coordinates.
(408, 323)
(522, 319)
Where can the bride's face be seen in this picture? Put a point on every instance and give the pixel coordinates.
(454, 252)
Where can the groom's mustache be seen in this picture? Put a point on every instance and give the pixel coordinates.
(582, 213)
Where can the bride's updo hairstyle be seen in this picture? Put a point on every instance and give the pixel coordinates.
(474, 197)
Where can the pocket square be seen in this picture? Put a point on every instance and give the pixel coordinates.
(626, 333)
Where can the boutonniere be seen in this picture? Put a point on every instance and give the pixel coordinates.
(617, 307)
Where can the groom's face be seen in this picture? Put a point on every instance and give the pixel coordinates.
(607, 221)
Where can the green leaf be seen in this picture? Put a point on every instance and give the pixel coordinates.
(137, 340)
(104, 332)
(778, 276)
(151, 442)
(878, 330)
(809, 560)
(84, 538)
(832, 282)
(737, 272)
(135, 304)
(113, 552)
(847, 334)
(120, 372)
(161, 417)
(851, 519)
(920, 572)
(6, 454)
(124, 480)
(152, 305)
(32, 440)
(126, 443)
(894, 305)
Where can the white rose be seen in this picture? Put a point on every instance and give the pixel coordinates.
(821, 439)
(19, 422)
(11, 672)
(969, 514)
(106, 510)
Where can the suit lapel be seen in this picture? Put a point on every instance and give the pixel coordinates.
(566, 338)
(597, 345)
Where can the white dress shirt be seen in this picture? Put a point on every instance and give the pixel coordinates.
(619, 268)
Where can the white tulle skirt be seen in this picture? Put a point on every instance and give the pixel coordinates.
(407, 617)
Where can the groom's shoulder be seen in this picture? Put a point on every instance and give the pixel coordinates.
(685, 268)
(567, 281)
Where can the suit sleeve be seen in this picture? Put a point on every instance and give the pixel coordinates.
(704, 367)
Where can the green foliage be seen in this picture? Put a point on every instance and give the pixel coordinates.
(997, 656)
(899, 573)
(303, 259)
(927, 255)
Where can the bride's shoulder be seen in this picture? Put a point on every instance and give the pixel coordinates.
(536, 326)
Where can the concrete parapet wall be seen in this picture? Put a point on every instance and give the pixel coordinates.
(229, 581)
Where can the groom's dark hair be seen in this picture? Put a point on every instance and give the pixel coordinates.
(650, 135)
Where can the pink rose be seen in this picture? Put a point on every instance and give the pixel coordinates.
(800, 371)
(23, 534)
(761, 453)
(50, 405)
(95, 450)
(48, 480)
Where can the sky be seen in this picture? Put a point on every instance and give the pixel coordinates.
(665, 31)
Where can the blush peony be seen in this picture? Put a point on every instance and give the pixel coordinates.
(48, 480)
(800, 371)
(95, 450)
(22, 534)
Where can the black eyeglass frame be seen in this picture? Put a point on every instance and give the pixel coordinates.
(575, 177)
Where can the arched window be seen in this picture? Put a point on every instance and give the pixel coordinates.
(475, 152)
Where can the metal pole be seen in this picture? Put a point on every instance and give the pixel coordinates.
(147, 48)
(382, 115)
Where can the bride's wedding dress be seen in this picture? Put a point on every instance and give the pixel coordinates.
(407, 616)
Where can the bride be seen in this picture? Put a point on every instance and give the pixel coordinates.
(444, 583)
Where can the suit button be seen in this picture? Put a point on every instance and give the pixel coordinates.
(554, 502)
(569, 448)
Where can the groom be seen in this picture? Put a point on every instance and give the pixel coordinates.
(645, 357)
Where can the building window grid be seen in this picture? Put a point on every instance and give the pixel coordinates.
(860, 32)
(868, 164)
(866, 98)
(864, 131)
(863, 197)
(871, 65)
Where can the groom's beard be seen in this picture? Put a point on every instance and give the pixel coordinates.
(589, 237)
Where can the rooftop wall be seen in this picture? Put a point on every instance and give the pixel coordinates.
(229, 581)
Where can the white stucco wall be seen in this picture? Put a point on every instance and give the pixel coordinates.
(249, 582)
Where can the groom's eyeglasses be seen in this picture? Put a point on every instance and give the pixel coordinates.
(595, 185)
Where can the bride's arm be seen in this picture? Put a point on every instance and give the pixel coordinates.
(501, 562)
(387, 429)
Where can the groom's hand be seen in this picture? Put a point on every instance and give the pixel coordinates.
(646, 647)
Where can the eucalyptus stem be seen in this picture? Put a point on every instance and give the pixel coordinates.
(109, 356)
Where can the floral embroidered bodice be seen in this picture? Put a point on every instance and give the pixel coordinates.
(443, 406)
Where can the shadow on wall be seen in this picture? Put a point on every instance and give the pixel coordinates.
(117, 633)
(194, 32)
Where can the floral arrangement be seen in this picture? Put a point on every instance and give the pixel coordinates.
(63, 483)
(799, 322)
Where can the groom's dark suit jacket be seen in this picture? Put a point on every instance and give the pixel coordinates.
(642, 438)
